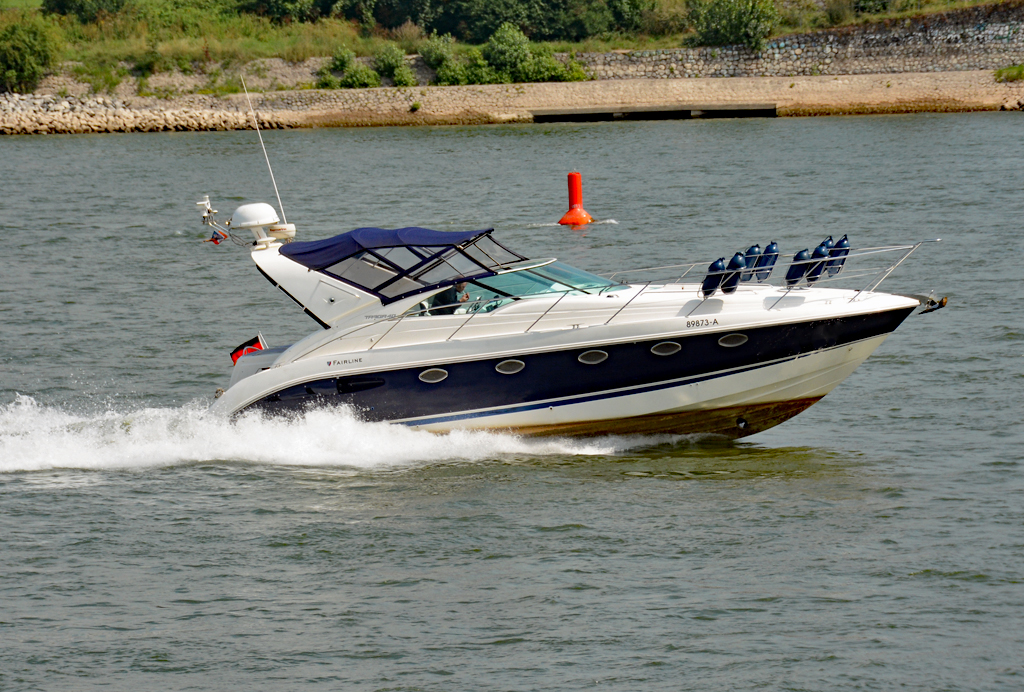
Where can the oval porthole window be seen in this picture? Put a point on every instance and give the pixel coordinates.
(665, 348)
(433, 375)
(510, 366)
(592, 357)
(732, 340)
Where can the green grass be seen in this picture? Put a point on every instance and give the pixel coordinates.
(209, 41)
(804, 15)
(1013, 73)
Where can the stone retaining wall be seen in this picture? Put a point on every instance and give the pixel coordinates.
(977, 38)
(501, 103)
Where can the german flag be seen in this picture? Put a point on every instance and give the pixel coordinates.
(251, 346)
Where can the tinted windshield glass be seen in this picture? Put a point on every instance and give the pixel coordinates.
(552, 278)
(577, 278)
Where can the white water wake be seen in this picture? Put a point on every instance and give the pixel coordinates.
(35, 437)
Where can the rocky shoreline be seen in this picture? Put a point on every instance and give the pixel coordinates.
(792, 96)
(941, 62)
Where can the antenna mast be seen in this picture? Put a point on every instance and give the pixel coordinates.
(256, 123)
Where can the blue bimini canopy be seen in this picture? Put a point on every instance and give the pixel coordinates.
(318, 254)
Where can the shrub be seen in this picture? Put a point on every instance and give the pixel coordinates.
(574, 71)
(171, 19)
(838, 11)
(388, 58)
(27, 50)
(281, 10)
(437, 50)
(543, 67)
(452, 72)
(85, 10)
(667, 17)
(359, 76)
(360, 10)
(326, 80)
(149, 62)
(729, 22)
(1013, 73)
(342, 60)
(509, 58)
(408, 36)
(508, 50)
(629, 15)
(476, 20)
(479, 71)
(403, 77)
(871, 6)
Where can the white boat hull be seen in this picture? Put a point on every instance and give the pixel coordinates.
(734, 405)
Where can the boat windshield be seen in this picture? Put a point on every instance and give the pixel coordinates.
(555, 277)
(487, 294)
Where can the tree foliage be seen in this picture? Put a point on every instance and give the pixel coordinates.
(85, 10)
(437, 50)
(27, 50)
(508, 50)
(403, 76)
(508, 57)
(732, 22)
(360, 76)
(388, 58)
(476, 20)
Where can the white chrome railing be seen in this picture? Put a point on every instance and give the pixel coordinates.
(875, 274)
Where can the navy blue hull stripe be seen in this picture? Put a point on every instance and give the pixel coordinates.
(474, 389)
(599, 395)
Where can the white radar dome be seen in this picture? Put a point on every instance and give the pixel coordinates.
(254, 215)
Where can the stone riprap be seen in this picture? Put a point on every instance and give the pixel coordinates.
(976, 38)
(34, 114)
(813, 95)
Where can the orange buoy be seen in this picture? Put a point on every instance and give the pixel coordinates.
(576, 216)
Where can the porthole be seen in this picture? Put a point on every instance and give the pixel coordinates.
(592, 357)
(732, 340)
(433, 375)
(510, 366)
(665, 348)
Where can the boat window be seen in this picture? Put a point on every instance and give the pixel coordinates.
(490, 254)
(481, 299)
(522, 283)
(401, 256)
(427, 251)
(551, 278)
(362, 270)
(453, 265)
(571, 276)
(401, 287)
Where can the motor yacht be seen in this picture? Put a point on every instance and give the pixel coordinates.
(455, 330)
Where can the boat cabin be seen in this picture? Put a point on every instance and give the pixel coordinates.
(466, 271)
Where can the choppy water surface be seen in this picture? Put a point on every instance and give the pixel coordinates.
(875, 541)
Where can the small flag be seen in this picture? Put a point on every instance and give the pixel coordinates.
(251, 346)
(218, 235)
